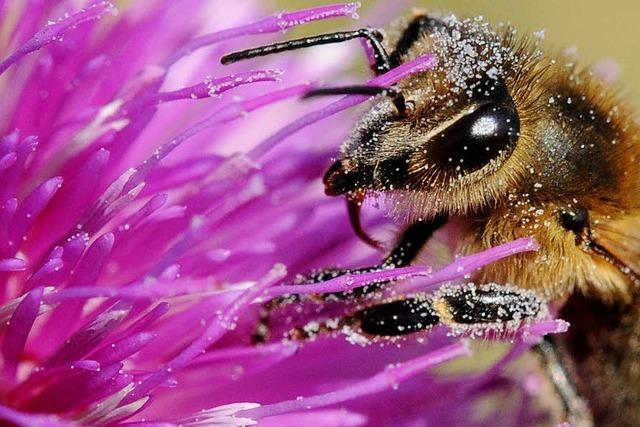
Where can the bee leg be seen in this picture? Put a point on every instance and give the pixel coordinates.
(576, 411)
(399, 317)
(394, 318)
(389, 319)
(465, 308)
(404, 252)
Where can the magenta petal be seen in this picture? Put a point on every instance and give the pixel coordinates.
(12, 264)
(62, 395)
(96, 215)
(534, 332)
(150, 424)
(316, 418)
(22, 419)
(390, 378)
(87, 365)
(88, 292)
(7, 212)
(348, 282)
(31, 207)
(77, 193)
(211, 87)
(287, 20)
(58, 265)
(92, 334)
(144, 322)
(155, 203)
(212, 333)
(109, 387)
(15, 335)
(456, 270)
(8, 160)
(463, 266)
(53, 264)
(90, 265)
(225, 114)
(122, 349)
(324, 418)
(54, 31)
(24, 148)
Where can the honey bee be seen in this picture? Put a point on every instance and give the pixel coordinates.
(507, 142)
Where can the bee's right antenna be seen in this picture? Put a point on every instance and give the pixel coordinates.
(382, 62)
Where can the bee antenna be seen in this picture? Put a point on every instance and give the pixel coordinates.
(354, 205)
(392, 92)
(381, 57)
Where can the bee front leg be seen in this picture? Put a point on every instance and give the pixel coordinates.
(404, 252)
(466, 309)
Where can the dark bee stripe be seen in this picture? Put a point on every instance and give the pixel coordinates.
(421, 24)
(470, 305)
(412, 241)
(398, 317)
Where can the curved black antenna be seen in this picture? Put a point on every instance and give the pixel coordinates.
(354, 205)
(394, 93)
(373, 36)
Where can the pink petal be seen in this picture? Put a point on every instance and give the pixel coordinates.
(122, 349)
(12, 264)
(389, 378)
(15, 335)
(89, 336)
(210, 88)
(55, 30)
(214, 331)
(31, 207)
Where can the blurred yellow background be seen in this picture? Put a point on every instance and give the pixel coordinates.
(600, 30)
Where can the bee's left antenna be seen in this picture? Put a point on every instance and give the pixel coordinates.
(373, 36)
(392, 92)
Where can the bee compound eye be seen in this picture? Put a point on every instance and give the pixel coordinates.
(479, 137)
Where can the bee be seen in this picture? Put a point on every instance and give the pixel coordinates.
(505, 141)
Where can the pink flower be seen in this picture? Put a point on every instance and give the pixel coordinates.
(151, 199)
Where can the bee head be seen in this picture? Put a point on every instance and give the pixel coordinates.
(388, 152)
(461, 123)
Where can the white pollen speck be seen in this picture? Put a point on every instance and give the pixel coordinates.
(484, 126)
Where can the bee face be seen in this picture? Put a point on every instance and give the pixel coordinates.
(515, 143)
(462, 121)
(419, 150)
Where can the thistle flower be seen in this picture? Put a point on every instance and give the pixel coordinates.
(150, 200)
